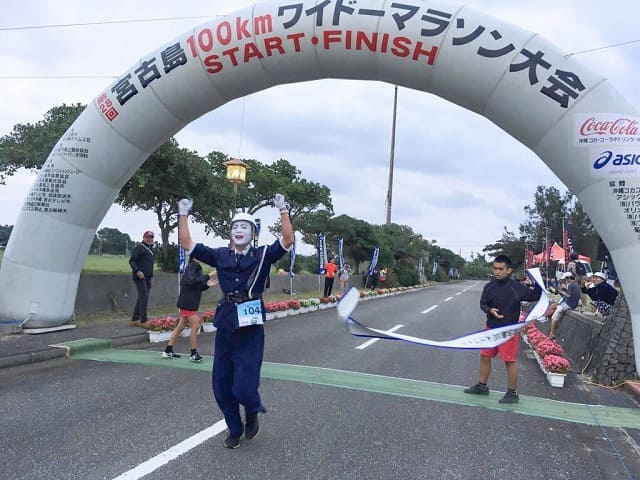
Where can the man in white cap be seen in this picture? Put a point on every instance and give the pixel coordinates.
(243, 271)
(602, 294)
(570, 293)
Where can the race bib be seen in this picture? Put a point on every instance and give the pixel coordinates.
(249, 313)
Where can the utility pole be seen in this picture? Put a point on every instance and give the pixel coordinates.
(391, 158)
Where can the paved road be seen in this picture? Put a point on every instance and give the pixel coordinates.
(339, 408)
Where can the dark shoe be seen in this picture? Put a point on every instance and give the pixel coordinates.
(252, 427)
(477, 389)
(231, 442)
(510, 397)
(196, 358)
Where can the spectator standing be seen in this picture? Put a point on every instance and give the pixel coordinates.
(330, 270)
(192, 284)
(570, 292)
(343, 277)
(243, 271)
(601, 293)
(383, 276)
(141, 262)
(500, 301)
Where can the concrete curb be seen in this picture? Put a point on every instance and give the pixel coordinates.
(53, 352)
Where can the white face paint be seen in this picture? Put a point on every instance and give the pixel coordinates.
(241, 233)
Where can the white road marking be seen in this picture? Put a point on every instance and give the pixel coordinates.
(447, 299)
(172, 453)
(374, 340)
(458, 293)
(430, 308)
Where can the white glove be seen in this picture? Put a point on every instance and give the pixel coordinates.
(278, 201)
(184, 206)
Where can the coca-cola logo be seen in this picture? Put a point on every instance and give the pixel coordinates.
(619, 126)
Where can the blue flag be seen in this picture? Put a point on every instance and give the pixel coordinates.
(340, 255)
(322, 253)
(374, 260)
(292, 257)
(182, 255)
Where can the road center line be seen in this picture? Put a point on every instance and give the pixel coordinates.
(430, 308)
(174, 452)
(447, 299)
(374, 340)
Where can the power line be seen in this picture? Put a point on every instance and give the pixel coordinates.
(54, 77)
(602, 48)
(112, 22)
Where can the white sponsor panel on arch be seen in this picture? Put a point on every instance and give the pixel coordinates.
(567, 113)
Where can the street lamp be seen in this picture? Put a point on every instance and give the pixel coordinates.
(236, 174)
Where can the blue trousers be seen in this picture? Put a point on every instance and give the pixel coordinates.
(236, 374)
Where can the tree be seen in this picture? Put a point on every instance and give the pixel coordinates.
(263, 182)
(29, 145)
(5, 233)
(168, 175)
(111, 241)
(509, 245)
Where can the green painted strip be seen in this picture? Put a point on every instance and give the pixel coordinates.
(532, 406)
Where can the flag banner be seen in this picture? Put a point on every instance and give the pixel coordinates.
(548, 250)
(292, 257)
(182, 255)
(374, 260)
(567, 240)
(322, 253)
(490, 338)
(340, 255)
(435, 269)
(529, 257)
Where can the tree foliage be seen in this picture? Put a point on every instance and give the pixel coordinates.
(263, 182)
(5, 233)
(29, 145)
(111, 241)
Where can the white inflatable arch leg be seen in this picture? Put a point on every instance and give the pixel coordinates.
(571, 116)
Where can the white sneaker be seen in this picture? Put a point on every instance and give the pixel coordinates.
(196, 358)
(170, 355)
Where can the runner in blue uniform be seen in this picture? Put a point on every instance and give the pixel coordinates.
(243, 271)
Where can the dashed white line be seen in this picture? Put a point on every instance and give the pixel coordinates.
(172, 453)
(447, 299)
(430, 308)
(374, 340)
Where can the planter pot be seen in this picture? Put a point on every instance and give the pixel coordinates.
(208, 327)
(186, 332)
(294, 311)
(556, 379)
(280, 314)
(313, 308)
(155, 337)
(303, 309)
(322, 306)
(270, 315)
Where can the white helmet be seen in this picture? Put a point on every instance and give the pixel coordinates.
(244, 217)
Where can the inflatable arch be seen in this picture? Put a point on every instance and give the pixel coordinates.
(571, 117)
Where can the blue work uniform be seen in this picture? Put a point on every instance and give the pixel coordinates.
(238, 350)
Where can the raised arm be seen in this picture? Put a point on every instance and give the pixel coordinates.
(285, 221)
(184, 206)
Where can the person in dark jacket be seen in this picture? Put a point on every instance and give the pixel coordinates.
(601, 293)
(192, 284)
(141, 262)
(500, 301)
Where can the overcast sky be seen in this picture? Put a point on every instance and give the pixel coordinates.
(458, 179)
